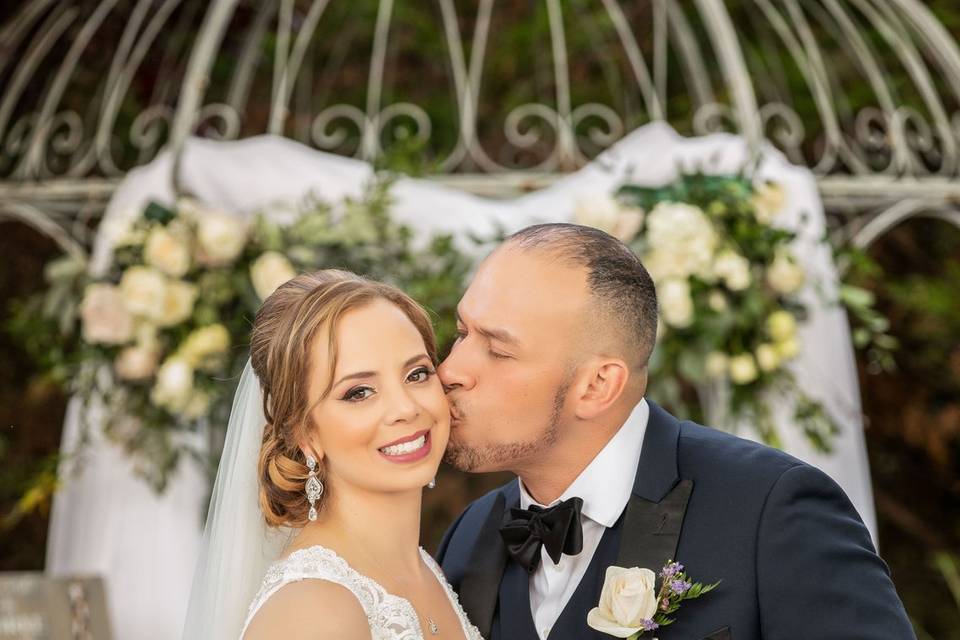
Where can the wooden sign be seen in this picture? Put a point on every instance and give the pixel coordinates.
(35, 606)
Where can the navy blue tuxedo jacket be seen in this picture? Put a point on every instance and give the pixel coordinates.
(793, 557)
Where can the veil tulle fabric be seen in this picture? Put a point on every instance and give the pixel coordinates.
(237, 545)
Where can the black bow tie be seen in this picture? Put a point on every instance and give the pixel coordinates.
(557, 528)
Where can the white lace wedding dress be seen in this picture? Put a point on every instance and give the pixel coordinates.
(391, 617)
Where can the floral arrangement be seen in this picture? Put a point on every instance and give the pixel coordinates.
(728, 284)
(631, 604)
(159, 339)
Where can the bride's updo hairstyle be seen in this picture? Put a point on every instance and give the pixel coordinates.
(305, 308)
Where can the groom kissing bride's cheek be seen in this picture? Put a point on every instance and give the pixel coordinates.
(624, 519)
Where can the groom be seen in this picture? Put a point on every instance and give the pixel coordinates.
(547, 380)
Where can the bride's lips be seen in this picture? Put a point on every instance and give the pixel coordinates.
(417, 454)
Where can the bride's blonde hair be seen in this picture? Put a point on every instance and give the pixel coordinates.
(307, 307)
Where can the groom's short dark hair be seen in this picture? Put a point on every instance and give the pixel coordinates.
(617, 279)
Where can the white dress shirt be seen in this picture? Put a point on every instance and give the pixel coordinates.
(605, 487)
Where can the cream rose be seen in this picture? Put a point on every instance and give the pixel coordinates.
(682, 240)
(269, 271)
(204, 342)
(743, 369)
(716, 364)
(177, 303)
(144, 290)
(174, 386)
(136, 362)
(197, 406)
(767, 357)
(788, 349)
(220, 237)
(167, 253)
(781, 325)
(733, 269)
(628, 598)
(676, 305)
(605, 213)
(717, 301)
(768, 201)
(105, 318)
(785, 275)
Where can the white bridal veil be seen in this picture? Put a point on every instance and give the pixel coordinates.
(237, 545)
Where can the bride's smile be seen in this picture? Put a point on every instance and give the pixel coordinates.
(409, 449)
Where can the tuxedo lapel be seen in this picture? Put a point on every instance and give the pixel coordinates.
(651, 530)
(480, 586)
(655, 512)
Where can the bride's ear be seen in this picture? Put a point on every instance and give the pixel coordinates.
(311, 448)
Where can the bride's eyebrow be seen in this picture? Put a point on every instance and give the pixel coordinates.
(370, 374)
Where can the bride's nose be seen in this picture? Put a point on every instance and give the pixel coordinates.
(401, 407)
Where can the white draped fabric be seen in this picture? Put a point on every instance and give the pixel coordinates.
(106, 521)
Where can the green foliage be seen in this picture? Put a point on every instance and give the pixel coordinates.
(358, 235)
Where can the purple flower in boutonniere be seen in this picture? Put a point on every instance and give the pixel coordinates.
(631, 604)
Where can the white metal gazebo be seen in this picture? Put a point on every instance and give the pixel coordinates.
(93, 89)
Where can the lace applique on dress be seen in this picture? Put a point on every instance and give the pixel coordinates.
(390, 617)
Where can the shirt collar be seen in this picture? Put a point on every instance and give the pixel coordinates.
(606, 483)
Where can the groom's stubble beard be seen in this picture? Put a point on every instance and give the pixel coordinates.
(502, 456)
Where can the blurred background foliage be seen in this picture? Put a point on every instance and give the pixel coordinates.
(912, 411)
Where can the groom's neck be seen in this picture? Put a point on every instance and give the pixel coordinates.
(547, 475)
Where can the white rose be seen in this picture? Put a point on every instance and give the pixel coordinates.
(104, 315)
(628, 598)
(177, 303)
(768, 200)
(269, 271)
(174, 386)
(685, 234)
(717, 301)
(788, 349)
(781, 325)
(733, 269)
(136, 362)
(197, 406)
(767, 357)
(144, 291)
(784, 275)
(167, 253)
(716, 364)
(743, 370)
(205, 342)
(604, 212)
(220, 237)
(676, 305)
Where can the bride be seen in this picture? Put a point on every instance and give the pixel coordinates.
(338, 423)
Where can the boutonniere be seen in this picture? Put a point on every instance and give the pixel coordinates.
(631, 605)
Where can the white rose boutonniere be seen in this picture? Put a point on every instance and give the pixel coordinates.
(631, 604)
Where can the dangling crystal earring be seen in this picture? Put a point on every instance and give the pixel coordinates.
(432, 484)
(314, 488)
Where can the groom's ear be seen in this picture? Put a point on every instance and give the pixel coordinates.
(600, 387)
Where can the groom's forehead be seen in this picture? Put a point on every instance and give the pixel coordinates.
(514, 281)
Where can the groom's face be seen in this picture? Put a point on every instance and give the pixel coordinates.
(520, 325)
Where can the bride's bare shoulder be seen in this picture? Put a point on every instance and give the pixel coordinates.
(307, 610)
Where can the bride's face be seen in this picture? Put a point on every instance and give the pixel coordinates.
(384, 425)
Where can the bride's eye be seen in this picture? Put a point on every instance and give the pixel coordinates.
(357, 394)
(420, 375)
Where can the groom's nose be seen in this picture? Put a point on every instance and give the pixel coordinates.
(454, 372)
